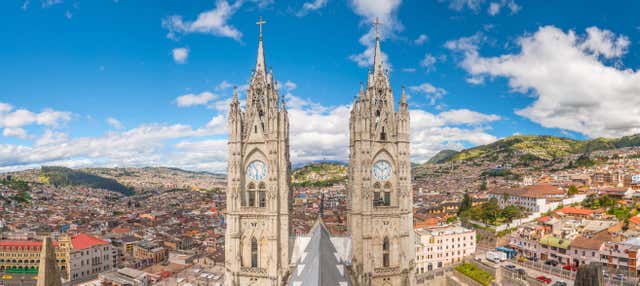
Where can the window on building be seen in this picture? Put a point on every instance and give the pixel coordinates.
(385, 252)
(262, 199)
(254, 252)
(377, 198)
(252, 198)
(383, 135)
(387, 194)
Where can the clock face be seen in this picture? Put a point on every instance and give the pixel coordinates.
(382, 170)
(257, 170)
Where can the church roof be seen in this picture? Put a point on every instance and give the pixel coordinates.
(320, 263)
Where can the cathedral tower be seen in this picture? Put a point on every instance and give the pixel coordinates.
(258, 196)
(381, 200)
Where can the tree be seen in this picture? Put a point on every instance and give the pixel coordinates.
(465, 204)
(490, 211)
(511, 212)
(572, 190)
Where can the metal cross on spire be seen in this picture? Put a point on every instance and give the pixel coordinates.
(377, 23)
(260, 23)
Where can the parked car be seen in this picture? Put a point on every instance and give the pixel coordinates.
(510, 266)
(551, 262)
(521, 271)
(543, 279)
(570, 267)
(619, 277)
(532, 258)
(560, 283)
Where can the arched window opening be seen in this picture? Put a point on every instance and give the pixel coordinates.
(377, 198)
(385, 252)
(383, 135)
(387, 194)
(254, 253)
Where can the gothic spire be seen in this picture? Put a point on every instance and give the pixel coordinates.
(235, 94)
(260, 65)
(48, 274)
(403, 97)
(377, 57)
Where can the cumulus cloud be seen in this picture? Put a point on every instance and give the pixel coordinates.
(15, 132)
(311, 6)
(146, 145)
(433, 93)
(180, 55)
(369, 10)
(575, 80)
(420, 39)
(192, 99)
(214, 22)
(115, 123)
(13, 120)
(493, 8)
(428, 62)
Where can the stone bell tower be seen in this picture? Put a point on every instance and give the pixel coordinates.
(258, 194)
(381, 201)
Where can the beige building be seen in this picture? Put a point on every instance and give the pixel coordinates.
(258, 195)
(380, 196)
(438, 247)
(258, 240)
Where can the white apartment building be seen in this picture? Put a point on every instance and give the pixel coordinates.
(90, 256)
(437, 247)
(535, 198)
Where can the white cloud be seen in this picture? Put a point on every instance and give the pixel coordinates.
(369, 10)
(433, 93)
(10, 118)
(15, 132)
(568, 75)
(452, 129)
(428, 62)
(68, 14)
(475, 5)
(115, 123)
(146, 145)
(409, 70)
(290, 86)
(49, 3)
(214, 21)
(180, 55)
(421, 39)
(192, 99)
(223, 85)
(494, 8)
(308, 7)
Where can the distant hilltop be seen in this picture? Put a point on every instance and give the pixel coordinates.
(126, 181)
(542, 147)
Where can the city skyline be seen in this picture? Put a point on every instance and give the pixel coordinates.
(98, 92)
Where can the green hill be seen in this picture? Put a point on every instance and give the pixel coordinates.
(61, 176)
(533, 147)
(442, 156)
(319, 175)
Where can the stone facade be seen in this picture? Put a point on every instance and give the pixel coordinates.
(259, 198)
(380, 204)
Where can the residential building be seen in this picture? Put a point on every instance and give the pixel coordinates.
(437, 247)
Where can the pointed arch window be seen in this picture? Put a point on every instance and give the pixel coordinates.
(387, 194)
(262, 195)
(377, 198)
(383, 135)
(254, 252)
(251, 195)
(385, 252)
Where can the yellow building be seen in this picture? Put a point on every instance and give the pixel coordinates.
(23, 256)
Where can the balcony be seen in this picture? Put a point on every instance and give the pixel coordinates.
(387, 270)
(254, 271)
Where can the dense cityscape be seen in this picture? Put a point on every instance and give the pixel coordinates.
(369, 184)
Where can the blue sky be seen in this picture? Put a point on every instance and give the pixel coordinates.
(147, 83)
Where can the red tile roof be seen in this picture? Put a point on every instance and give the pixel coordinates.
(84, 241)
(20, 243)
(574, 211)
(635, 220)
